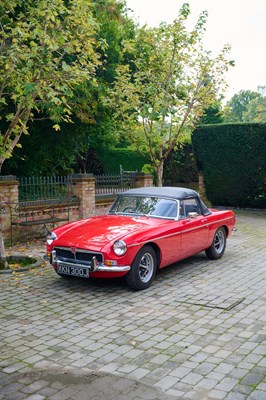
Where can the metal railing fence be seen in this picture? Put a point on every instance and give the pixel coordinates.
(53, 188)
(111, 184)
(45, 188)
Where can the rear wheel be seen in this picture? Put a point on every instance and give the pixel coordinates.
(216, 250)
(143, 269)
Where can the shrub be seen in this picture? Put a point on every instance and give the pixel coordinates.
(130, 160)
(232, 157)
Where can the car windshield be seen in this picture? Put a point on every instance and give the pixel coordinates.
(138, 205)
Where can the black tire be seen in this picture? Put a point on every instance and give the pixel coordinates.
(216, 250)
(143, 269)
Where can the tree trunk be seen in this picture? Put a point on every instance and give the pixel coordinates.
(2, 159)
(3, 259)
(159, 172)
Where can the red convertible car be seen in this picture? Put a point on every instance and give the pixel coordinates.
(145, 229)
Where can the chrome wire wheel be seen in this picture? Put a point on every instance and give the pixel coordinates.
(146, 267)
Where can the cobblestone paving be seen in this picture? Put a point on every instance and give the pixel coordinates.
(197, 334)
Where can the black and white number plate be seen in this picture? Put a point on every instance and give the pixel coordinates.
(74, 270)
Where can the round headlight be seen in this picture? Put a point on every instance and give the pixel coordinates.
(51, 236)
(120, 248)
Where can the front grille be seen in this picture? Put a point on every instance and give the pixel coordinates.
(65, 254)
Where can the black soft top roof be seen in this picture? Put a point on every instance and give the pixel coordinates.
(165, 191)
(177, 193)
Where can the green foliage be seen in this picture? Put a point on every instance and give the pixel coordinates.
(46, 52)
(57, 151)
(256, 110)
(180, 166)
(130, 160)
(68, 150)
(114, 27)
(236, 107)
(91, 107)
(86, 102)
(164, 92)
(232, 158)
(212, 114)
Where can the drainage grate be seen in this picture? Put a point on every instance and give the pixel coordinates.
(211, 301)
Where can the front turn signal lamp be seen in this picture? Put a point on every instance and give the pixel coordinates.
(110, 263)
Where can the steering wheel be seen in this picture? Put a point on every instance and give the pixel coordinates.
(129, 210)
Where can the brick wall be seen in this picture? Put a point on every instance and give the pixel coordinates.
(8, 195)
(86, 206)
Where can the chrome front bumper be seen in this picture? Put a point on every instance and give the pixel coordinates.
(93, 266)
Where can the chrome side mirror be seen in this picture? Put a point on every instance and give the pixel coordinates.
(193, 215)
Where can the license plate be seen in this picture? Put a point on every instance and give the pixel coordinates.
(73, 270)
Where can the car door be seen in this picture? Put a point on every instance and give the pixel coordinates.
(194, 227)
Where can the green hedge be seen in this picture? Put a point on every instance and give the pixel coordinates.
(111, 159)
(180, 166)
(233, 159)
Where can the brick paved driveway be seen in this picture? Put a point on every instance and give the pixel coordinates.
(197, 333)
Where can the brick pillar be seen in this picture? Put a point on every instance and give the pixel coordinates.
(143, 180)
(202, 191)
(84, 189)
(8, 199)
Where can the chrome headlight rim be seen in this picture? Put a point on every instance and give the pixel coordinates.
(50, 237)
(120, 248)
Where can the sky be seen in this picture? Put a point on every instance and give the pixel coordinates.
(241, 23)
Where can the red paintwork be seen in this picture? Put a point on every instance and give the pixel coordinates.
(175, 240)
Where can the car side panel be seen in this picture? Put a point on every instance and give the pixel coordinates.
(218, 219)
(166, 237)
(170, 245)
(195, 235)
(177, 240)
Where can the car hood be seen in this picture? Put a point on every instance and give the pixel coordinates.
(96, 232)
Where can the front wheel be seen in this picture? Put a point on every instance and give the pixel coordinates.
(216, 250)
(143, 269)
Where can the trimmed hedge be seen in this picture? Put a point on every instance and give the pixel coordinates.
(111, 159)
(180, 166)
(233, 159)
